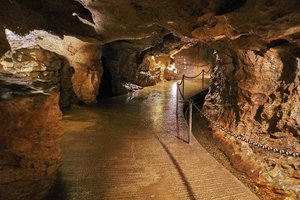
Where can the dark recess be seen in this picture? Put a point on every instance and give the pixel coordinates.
(278, 42)
(198, 99)
(227, 6)
(105, 89)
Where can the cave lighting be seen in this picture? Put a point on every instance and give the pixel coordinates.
(172, 68)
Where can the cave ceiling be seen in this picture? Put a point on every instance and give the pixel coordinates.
(250, 22)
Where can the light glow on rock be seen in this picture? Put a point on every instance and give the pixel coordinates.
(172, 68)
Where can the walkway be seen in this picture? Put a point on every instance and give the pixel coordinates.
(126, 149)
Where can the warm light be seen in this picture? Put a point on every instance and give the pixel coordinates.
(172, 68)
(174, 89)
(18, 41)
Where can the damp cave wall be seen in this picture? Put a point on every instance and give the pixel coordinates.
(257, 94)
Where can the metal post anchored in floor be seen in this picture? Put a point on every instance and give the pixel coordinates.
(203, 79)
(177, 91)
(183, 86)
(190, 120)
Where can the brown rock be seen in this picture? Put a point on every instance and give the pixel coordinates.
(84, 58)
(30, 130)
(127, 75)
(256, 99)
(39, 66)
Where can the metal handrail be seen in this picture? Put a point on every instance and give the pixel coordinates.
(226, 131)
(181, 81)
(247, 140)
(193, 77)
(190, 101)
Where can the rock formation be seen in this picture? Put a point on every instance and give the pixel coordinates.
(257, 95)
(253, 87)
(29, 145)
(30, 120)
(66, 46)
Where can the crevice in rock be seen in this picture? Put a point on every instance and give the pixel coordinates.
(67, 95)
(229, 6)
(258, 113)
(275, 43)
(289, 71)
(274, 120)
(292, 130)
(105, 89)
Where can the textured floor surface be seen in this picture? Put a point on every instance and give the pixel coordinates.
(129, 147)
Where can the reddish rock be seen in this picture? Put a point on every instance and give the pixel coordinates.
(30, 133)
(257, 95)
(84, 57)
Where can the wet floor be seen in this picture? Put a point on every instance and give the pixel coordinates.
(126, 148)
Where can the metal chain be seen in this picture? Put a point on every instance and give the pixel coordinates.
(244, 139)
(239, 137)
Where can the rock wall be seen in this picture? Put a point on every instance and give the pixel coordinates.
(30, 132)
(256, 94)
(40, 69)
(128, 68)
(30, 122)
(85, 58)
(131, 62)
(81, 63)
(40, 66)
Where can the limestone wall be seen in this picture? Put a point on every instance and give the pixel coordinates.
(256, 95)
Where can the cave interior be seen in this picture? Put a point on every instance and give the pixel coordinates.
(75, 69)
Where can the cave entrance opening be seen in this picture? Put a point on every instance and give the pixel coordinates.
(105, 89)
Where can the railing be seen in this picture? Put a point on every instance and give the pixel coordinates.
(213, 123)
(190, 101)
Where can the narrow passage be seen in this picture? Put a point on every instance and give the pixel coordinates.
(126, 148)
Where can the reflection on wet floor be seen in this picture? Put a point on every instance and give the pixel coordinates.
(125, 148)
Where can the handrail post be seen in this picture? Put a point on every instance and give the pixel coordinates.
(190, 120)
(203, 78)
(177, 91)
(183, 86)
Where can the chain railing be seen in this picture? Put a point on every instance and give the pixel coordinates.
(214, 123)
(189, 101)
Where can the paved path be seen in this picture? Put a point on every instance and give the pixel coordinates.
(127, 148)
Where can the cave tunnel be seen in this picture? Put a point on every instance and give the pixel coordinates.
(161, 100)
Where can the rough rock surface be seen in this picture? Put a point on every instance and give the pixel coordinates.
(84, 57)
(124, 20)
(131, 63)
(257, 95)
(82, 69)
(42, 67)
(29, 145)
(269, 20)
(38, 69)
(127, 75)
(30, 122)
(52, 16)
